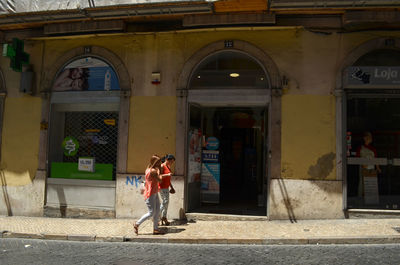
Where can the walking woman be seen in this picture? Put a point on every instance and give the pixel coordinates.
(164, 187)
(153, 177)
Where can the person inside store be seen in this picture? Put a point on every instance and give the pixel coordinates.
(150, 193)
(166, 187)
(366, 150)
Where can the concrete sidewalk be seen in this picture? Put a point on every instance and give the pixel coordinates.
(344, 231)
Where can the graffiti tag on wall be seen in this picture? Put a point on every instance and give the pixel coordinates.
(133, 180)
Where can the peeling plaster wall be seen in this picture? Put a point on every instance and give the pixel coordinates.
(305, 199)
(308, 137)
(25, 200)
(307, 188)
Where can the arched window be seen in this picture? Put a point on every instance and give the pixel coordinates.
(229, 69)
(86, 74)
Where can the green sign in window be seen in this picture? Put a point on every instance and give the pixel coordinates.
(68, 170)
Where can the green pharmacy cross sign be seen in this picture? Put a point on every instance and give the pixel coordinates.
(16, 53)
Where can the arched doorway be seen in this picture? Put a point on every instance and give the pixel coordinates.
(228, 101)
(371, 122)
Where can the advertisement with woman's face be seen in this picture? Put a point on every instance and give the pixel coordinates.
(87, 74)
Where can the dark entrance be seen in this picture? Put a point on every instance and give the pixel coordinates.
(238, 164)
(240, 133)
(228, 99)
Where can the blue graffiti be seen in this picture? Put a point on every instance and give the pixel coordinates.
(133, 180)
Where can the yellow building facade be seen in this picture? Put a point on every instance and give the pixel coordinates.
(283, 130)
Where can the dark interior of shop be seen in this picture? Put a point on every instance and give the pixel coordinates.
(241, 139)
(380, 117)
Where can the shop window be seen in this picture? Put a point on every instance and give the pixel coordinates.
(373, 134)
(83, 134)
(374, 127)
(229, 69)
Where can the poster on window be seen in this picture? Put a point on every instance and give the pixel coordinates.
(210, 176)
(86, 74)
(210, 182)
(194, 168)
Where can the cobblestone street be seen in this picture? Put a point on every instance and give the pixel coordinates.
(27, 251)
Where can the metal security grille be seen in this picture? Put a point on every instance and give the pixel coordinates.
(97, 134)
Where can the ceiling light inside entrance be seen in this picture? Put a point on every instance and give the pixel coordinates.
(234, 75)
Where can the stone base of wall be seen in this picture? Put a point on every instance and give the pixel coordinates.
(86, 213)
(130, 203)
(305, 199)
(80, 193)
(27, 200)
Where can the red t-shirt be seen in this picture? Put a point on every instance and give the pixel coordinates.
(166, 181)
(150, 186)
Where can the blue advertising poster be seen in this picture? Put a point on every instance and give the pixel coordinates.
(210, 176)
(86, 74)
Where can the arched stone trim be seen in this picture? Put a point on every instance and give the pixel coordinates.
(350, 59)
(125, 86)
(95, 51)
(369, 46)
(265, 61)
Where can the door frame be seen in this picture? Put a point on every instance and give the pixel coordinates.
(232, 98)
(187, 188)
(274, 106)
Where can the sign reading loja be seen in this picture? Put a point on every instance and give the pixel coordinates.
(386, 73)
(372, 76)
